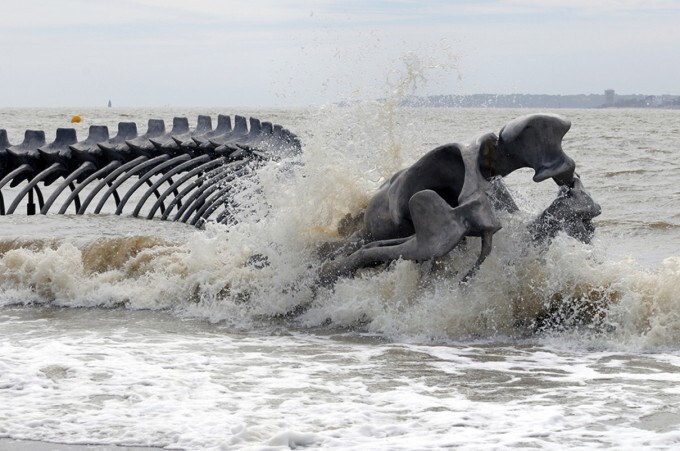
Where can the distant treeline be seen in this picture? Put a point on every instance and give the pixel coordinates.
(543, 101)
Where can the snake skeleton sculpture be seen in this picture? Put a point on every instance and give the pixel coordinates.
(421, 212)
(424, 211)
(204, 161)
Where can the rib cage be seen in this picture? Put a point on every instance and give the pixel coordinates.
(189, 171)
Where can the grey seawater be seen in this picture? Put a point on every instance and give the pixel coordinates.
(119, 331)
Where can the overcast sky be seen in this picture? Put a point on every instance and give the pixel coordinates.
(303, 52)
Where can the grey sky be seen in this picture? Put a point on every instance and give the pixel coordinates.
(299, 52)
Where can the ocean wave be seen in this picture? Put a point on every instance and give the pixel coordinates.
(263, 267)
(520, 291)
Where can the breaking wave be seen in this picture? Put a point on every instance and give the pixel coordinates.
(263, 267)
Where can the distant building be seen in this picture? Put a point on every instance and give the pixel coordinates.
(609, 95)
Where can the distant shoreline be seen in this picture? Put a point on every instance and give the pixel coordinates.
(472, 101)
(612, 100)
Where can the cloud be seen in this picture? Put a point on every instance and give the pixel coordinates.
(210, 52)
(88, 13)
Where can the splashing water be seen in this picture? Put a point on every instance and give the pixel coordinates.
(264, 265)
(416, 70)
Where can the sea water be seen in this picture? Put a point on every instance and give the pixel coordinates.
(117, 330)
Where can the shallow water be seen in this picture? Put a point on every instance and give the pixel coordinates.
(118, 330)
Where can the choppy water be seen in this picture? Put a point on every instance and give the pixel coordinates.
(184, 345)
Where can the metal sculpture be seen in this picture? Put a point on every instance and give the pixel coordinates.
(424, 211)
(204, 159)
(421, 212)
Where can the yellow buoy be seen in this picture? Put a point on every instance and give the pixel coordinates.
(75, 119)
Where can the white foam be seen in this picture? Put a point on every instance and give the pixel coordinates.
(148, 379)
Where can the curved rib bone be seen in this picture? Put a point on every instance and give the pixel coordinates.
(100, 157)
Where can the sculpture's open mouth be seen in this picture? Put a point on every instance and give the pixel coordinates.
(562, 171)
